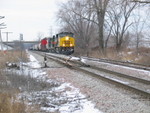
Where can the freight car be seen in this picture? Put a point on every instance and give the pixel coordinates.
(42, 45)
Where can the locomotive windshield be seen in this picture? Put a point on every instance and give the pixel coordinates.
(65, 34)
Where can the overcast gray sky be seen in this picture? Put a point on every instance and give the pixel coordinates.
(29, 17)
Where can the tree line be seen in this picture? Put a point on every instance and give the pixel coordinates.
(98, 22)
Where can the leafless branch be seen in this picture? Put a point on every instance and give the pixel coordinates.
(147, 2)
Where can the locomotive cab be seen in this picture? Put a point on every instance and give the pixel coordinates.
(65, 43)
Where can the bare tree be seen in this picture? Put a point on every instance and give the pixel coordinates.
(119, 15)
(2, 24)
(101, 18)
(94, 12)
(100, 9)
(138, 27)
(40, 35)
(141, 1)
(71, 15)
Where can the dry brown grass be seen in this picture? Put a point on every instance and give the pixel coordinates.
(144, 60)
(144, 54)
(141, 56)
(7, 105)
(8, 101)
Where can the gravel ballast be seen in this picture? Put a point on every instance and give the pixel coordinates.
(106, 97)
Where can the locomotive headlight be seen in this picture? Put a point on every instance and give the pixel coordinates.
(64, 45)
(71, 44)
(67, 38)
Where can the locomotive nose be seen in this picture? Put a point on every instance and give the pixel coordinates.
(67, 38)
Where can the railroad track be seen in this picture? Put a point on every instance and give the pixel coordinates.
(134, 84)
(127, 64)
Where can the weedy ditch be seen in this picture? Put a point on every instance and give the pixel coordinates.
(28, 83)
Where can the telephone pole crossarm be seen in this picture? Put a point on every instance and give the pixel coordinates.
(2, 24)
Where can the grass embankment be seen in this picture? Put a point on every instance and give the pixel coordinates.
(8, 101)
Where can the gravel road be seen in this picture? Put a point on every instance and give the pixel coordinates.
(107, 97)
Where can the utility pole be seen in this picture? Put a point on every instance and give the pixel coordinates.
(1, 42)
(7, 37)
(1, 27)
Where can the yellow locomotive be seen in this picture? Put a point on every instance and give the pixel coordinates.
(62, 43)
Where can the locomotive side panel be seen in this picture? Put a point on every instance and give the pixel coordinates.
(67, 42)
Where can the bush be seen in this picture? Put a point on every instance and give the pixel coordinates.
(12, 56)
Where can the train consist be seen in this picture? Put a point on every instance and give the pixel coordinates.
(62, 43)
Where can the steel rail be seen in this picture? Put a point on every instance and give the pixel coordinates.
(128, 64)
